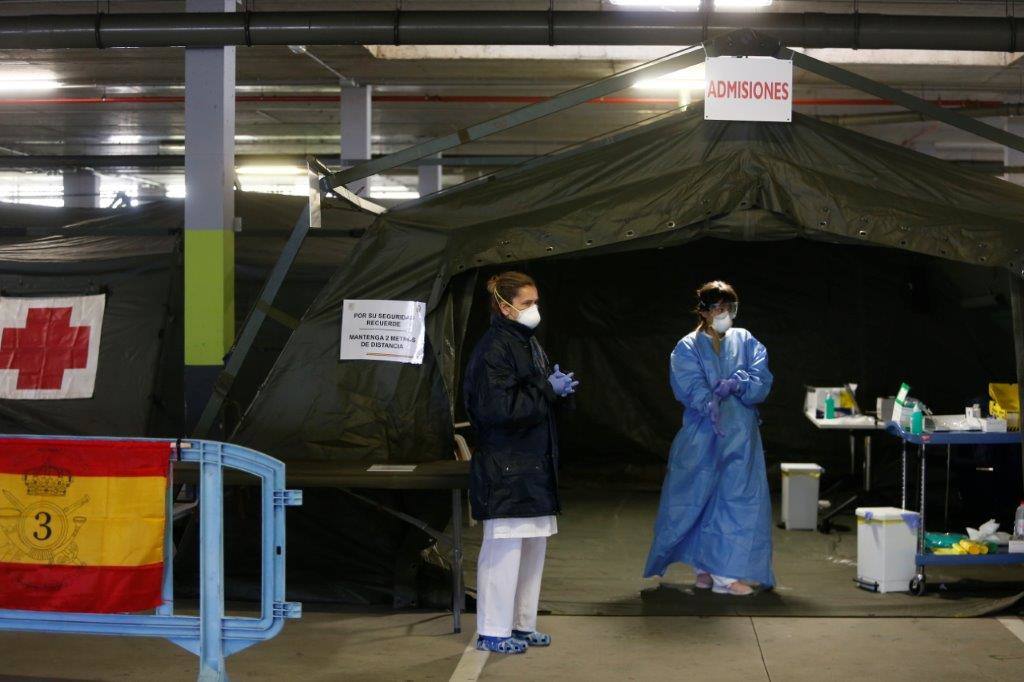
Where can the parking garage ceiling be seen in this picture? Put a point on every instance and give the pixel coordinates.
(130, 101)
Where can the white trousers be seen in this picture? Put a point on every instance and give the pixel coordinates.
(508, 585)
(717, 579)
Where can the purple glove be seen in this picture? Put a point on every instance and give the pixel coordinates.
(563, 384)
(715, 414)
(726, 387)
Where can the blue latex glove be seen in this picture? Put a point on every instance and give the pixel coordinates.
(726, 387)
(563, 384)
(715, 413)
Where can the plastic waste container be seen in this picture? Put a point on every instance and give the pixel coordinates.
(886, 548)
(800, 485)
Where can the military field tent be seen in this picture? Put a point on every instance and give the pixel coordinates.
(133, 255)
(267, 221)
(619, 233)
(56, 252)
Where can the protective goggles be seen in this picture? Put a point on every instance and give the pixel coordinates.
(721, 306)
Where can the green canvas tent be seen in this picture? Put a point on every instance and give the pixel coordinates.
(659, 188)
(134, 256)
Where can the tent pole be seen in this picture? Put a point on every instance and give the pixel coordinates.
(1017, 304)
(264, 305)
(562, 154)
(336, 183)
(653, 69)
(904, 99)
(527, 114)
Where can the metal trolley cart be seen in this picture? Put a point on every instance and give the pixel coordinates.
(925, 443)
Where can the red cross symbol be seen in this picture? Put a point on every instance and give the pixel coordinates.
(44, 348)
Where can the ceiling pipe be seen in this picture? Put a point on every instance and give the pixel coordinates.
(986, 105)
(342, 78)
(975, 110)
(174, 161)
(856, 30)
(154, 161)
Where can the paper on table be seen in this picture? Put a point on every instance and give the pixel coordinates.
(392, 468)
(953, 422)
(857, 421)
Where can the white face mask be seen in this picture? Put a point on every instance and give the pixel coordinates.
(722, 323)
(529, 317)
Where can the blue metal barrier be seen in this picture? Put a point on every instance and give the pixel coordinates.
(211, 635)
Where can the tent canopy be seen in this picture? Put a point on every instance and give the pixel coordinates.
(664, 184)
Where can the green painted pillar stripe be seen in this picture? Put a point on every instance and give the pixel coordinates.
(209, 295)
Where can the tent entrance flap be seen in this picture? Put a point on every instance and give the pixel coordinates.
(828, 317)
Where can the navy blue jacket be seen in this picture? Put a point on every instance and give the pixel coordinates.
(511, 407)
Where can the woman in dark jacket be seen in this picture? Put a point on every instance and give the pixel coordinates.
(510, 393)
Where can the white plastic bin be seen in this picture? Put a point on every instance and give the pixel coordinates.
(800, 484)
(886, 548)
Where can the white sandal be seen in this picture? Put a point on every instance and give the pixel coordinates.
(745, 590)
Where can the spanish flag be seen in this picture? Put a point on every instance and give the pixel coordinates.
(82, 524)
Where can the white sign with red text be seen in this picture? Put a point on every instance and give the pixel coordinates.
(748, 89)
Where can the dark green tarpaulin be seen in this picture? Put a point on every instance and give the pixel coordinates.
(661, 186)
(140, 276)
(134, 255)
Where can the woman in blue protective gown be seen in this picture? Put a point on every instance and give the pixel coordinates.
(715, 513)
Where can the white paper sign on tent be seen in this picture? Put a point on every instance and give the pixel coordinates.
(748, 89)
(390, 331)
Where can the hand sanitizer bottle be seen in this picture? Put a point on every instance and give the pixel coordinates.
(917, 420)
(830, 406)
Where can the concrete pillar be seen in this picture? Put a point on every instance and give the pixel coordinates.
(430, 178)
(1012, 157)
(81, 189)
(209, 213)
(356, 125)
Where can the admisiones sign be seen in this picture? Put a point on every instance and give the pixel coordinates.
(748, 89)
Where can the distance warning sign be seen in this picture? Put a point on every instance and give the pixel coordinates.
(391, 331)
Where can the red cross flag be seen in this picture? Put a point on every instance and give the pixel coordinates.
(49, 347)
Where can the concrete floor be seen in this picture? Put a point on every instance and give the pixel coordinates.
(594, 567)
(419, 646)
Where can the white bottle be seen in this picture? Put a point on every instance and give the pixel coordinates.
(1018, 523)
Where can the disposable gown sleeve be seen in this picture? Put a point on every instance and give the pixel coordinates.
(507, 400)
(754, 380)
(689, 383)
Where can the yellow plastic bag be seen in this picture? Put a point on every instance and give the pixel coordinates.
(972, 547)
(845, 400)
(1005, 404)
